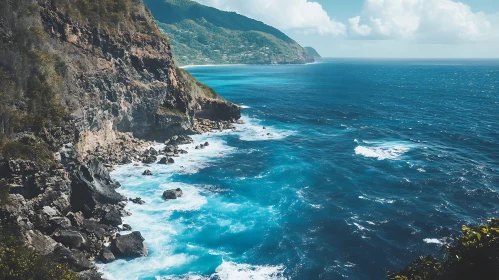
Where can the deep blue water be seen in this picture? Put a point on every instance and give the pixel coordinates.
(370, 163)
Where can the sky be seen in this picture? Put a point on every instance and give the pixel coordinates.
(381, 28)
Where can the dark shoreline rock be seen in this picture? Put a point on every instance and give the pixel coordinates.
(172, 194)
(131, 245)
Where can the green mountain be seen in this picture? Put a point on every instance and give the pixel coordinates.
(205, 35)
(312, 52)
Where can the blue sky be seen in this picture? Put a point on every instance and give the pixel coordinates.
(381, 28)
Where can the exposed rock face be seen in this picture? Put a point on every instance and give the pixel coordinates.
(92, 185)
(131, 245)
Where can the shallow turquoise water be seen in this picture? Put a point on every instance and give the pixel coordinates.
(369, 164)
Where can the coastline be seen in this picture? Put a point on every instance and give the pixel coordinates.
(187, 147)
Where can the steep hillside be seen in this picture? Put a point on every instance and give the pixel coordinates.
(205, 35)
(81, 84)
(312, 52)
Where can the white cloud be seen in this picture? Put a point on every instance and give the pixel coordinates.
(303, 15)
(431, 21)
(362, 30)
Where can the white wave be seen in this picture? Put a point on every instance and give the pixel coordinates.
(433, 241)
(136, 268)
(252, 130)
(245, 106)
(387, 150)
(379, 200)
(230, 271)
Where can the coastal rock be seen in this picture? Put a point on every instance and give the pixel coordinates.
(90, 274)
(70, 238)
(40, 242)
(75, 259)
(172, 194)
(163, 160)
(92, 185)
(60, 222)
(206, 144)
(137, 200)
(112, 218)
(147, 173)
(126, 227)
(149, 159)
(106, 256)
(131, 245)
(171, 161)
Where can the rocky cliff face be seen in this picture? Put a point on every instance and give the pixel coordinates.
(119, 85)
(130, 84)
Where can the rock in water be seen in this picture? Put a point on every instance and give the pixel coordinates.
(106, 256)
(172, 194)
(147, 173)
(163, 160)
(171, 161)
(131, 245)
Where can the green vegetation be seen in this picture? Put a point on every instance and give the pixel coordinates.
(194, 86)
(172, 111)
(312, 52)
(473, 255)
(28, 149)
(19, 262)
(205, 35)
(108, 14)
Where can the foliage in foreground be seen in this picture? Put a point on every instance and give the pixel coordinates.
(473, 255)
(19, 262)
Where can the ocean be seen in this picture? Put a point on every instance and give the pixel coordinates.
(343, 169)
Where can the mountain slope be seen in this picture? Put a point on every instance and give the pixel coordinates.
(205, 35)
(312, 52)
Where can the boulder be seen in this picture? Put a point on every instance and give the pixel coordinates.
(149, 159)
(106, 256)
(60, 222)
(137, 200)
(90, 274)
(127, 227)
(171, 161)
(92, 185)
(40, 242)
(70, 238)
(131, 245)
(112, 218)
(172, 194)
(147, 173)
(75, 259)
(206, 144)
(164, 160)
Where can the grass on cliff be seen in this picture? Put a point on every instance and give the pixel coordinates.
(196, 87)
(111, 15)
(19, 262)
(28, 149)
(474, 254)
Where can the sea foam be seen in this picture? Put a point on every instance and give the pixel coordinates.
(383, 150)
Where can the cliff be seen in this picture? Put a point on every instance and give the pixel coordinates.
(205, 35)
(82, 83)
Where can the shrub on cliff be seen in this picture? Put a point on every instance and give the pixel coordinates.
(473, 255)
(17, 262)
(28, 149)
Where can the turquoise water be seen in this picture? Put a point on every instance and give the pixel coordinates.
(369, 164)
